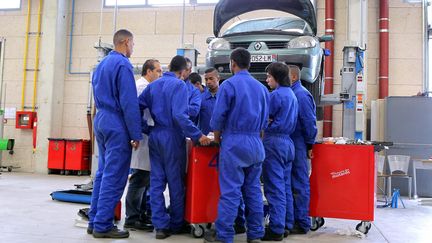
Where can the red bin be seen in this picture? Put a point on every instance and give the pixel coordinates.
(342, 184)
(77, 155)
(56, 153)
(202, 185)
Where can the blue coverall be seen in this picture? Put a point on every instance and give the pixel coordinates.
(167, 100)
(279, 151)
(207, 105)
(117, 122)
(303, 137)
(194, 101)
(241, 113)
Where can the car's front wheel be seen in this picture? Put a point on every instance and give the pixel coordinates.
(315, 90)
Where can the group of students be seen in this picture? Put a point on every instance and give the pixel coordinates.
(260, 134)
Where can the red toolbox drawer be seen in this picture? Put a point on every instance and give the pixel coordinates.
(342, 182)
(202, 185)
(56, 153)
(77, 154)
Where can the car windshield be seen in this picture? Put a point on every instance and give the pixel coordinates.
(270, 24)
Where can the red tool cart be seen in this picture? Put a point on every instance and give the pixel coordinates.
(56, 155)
(342, 184)
(77, 156)
(202, 187)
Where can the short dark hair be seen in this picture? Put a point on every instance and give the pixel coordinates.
(294, 69)
(210, 70)
(177, 64)
(121, 35)
(241, 57)
(195, 78)
(149, 64)
(280, 73)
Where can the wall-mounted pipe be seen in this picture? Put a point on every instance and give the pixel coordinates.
(384, 49)
(71, 43)
(426, 47)
(24, 81)
(36, 71)
(329, 63)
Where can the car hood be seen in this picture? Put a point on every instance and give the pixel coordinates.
(228, 9)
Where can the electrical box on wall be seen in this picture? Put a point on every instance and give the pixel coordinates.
(25, 119)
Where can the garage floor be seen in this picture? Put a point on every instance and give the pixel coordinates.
(27, 214)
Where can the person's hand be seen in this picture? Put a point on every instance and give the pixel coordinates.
(310, 154)
(204, 140)
(217, 137)
(134, 144)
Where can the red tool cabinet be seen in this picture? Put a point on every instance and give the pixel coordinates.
(56, 153)
(77, 155)
(342, 184)
(202, 187)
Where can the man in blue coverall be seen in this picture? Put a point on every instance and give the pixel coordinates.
(117, 128)
(240, 115)
(208, 100)
(279, 149)
(303, 137)
(167, 100)
(194, 95)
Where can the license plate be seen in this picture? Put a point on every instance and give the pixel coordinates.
(262, 58)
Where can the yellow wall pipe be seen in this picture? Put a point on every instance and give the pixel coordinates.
(25, 55)
(36, 72)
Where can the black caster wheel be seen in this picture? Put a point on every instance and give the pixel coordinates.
(11, 152)
(364, 227)
(317, 222)
(9, 169)
(67, 172)
(197, 231)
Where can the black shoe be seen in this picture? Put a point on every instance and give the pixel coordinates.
(163, 234)
(253, 241)
(129, 225)
(297, 230)
(286, 233)
(114, 233)
(210, 236)
(239, 229)
(89, 230)
(139, 225)
(271, 236)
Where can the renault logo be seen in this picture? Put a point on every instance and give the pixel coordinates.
(258, 46)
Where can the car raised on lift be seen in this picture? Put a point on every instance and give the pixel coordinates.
(291, 39)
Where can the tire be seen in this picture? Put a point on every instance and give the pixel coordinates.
(317, 222)
(198, 231)
(315, 90)
(9, 169)
(364, 227)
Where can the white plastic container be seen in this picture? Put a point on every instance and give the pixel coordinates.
(398, 164)
(379, 161)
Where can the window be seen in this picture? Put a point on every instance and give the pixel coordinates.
(112, 3)
(147, 3)
(206, 1)
(10, 4)
(166, 2)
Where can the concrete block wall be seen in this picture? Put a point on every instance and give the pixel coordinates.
(157, 35)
